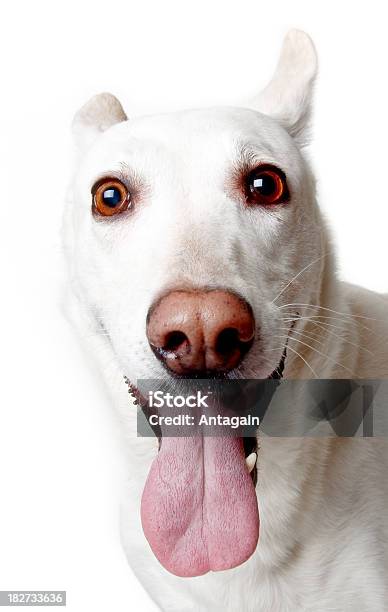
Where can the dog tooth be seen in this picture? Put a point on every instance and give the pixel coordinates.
(251, 461)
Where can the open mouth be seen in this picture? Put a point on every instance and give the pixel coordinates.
(199, 506)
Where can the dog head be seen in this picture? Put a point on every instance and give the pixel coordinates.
(189, 235)
(187, 226)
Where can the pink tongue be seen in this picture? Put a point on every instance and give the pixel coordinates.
(199, 507)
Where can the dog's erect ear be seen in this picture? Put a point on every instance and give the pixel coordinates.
(288, 95)
(96, 116)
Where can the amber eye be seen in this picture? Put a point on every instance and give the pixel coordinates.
(110, 197)
(267, 185)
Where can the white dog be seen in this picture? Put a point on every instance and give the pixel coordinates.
(196, 247)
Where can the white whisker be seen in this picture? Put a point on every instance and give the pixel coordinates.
(345, 314)
(345, 321)
(322, 327)
(319, 353)
(289, 348)
(297, 275)
(304, 335)
(325, 317)
(317, 322)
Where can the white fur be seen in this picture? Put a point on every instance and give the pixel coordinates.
(324, 526)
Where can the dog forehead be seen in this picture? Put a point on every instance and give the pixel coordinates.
(199, 124)
(178, 147)
(219, 131)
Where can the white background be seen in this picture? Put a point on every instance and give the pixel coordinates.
(59, 445)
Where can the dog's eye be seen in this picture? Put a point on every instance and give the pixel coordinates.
(110, 197)
(267, 185)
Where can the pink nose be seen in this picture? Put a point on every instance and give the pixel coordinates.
(195, 332)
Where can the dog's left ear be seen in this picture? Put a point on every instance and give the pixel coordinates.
(96, 116)
(288, 96)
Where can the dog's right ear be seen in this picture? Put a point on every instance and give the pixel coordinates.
(288, 96)
(96, 116)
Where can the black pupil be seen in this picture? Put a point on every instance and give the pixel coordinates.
(111, 197)
(264, 184)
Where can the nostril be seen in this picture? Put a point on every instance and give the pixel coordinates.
(227, 341)
(175, 345)
(175, 340)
